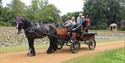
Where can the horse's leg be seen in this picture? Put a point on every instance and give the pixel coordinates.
(50, 50)
(53, 45)
(31, 47)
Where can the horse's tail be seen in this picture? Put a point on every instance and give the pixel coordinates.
(53, 34)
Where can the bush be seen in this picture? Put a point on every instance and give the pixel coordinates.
(3, 23)
(122, 28)
(101, 24)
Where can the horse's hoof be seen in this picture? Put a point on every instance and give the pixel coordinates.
(31, 54)
(49, 52)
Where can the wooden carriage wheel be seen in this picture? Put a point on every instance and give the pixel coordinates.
(92, 44)
(75, 47)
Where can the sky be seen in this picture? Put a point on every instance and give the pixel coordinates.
(64, 6)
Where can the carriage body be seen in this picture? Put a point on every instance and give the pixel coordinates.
(62, 33)
(65, 36)
(86, 36)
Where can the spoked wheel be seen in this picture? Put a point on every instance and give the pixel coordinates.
(92, 44)
(60, 44)
(75, 47)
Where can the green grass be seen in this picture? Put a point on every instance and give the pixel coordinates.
(112, 56)
(20, 48)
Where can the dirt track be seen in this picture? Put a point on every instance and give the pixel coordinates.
(57, 57)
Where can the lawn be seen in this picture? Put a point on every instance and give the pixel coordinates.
(112, 56)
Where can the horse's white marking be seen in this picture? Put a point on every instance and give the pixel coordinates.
(17, 25)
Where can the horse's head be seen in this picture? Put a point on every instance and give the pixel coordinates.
(19, 28)
(19, 25)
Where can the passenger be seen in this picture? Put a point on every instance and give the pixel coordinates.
(83, 23)
(80, 24)
(73, 21)
(88, 23)
(79, 18)
(68, 23)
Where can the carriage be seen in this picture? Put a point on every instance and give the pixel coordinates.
(74, 40)
(57, 36)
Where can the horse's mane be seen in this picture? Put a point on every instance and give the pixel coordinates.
(27, 22)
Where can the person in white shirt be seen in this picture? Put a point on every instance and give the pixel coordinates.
(68, 23)
(79, 18)
(73, 21)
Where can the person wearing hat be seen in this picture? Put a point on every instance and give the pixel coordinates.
(81, 24)
(73, 21)
(68, 23)
(79, 18)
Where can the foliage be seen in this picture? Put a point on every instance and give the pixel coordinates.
(18, 8)
(104, 12)
(6, 16)
(50, 13)
(0, 4)
(39, 10)
(101, 12)
(113, 56)
(71, 14)
(122, 28)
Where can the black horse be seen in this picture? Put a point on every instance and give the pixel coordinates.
(38, 30)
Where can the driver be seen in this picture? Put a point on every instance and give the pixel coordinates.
(68, 23)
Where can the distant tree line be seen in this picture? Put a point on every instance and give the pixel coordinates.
(101, 12)
(39, 10)
(104, 12)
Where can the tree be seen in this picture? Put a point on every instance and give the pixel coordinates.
(34, 10)
(71, 14)
(46, 2)
(122, 12)
(50, 14)
(103, 12)
(41, 10)
(113, 11)
(7, 17)
(18, 8)
(0, 3)
(0, 6)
